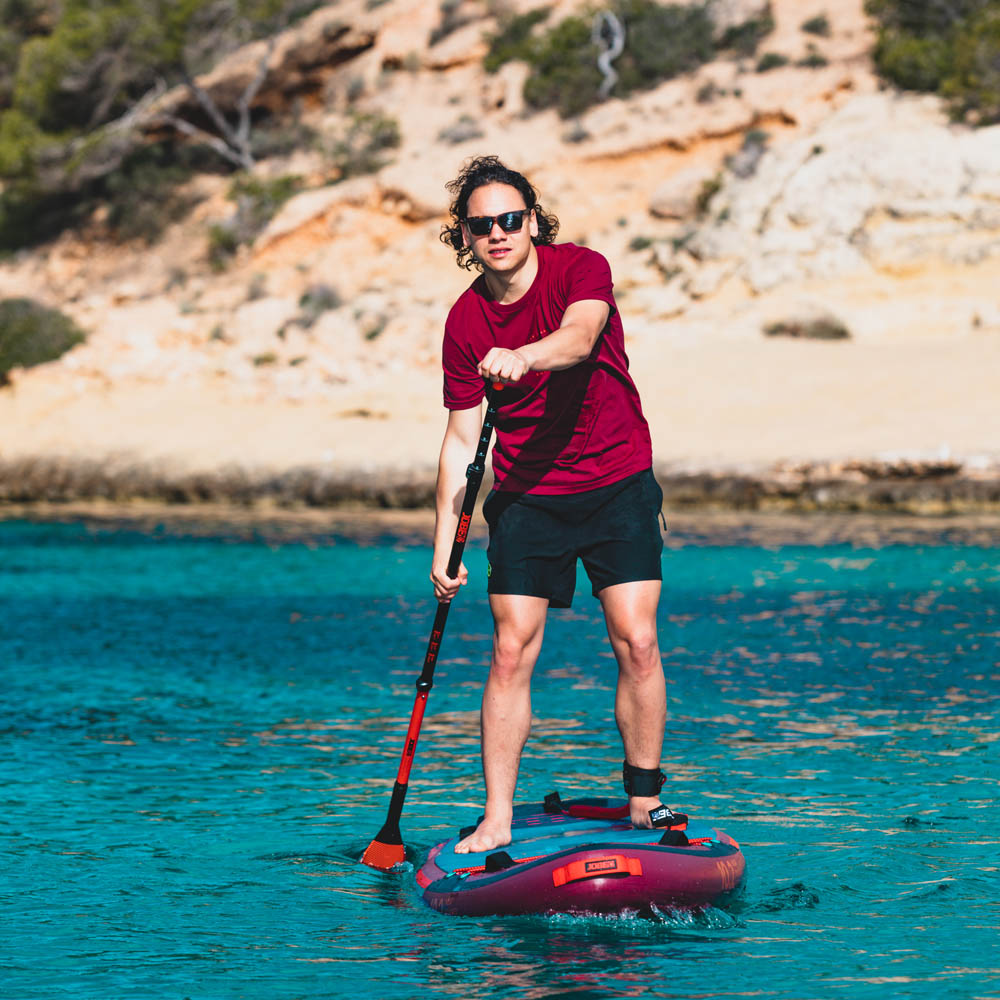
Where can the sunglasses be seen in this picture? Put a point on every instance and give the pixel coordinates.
(509, 222)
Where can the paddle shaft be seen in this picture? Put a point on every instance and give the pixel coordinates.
(474, 478)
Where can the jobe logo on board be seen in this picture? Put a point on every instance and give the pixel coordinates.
(600, 866)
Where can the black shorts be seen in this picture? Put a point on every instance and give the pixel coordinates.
(536, 539)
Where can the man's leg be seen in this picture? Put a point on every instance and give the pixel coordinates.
(518, 626)
(641, 696)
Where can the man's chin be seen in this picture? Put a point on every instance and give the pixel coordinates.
(505, 262)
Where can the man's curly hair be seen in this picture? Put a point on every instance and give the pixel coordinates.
(489, 170)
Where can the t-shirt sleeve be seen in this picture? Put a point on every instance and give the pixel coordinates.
(589, 277)
(463, 388)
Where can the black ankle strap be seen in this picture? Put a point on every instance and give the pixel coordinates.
(642, 781)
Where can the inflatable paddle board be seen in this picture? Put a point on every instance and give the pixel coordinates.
(584, 856)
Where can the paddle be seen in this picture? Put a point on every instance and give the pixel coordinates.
(386, 850)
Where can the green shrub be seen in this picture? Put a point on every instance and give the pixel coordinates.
(69, 68)
(222, 246)
(29, 216)
(813, 328)
(912, 63)
(709, 189)
(315, 301)
(361, 145)
(281, 137)
(813, 59)
(31, 334)
(513, 40)
(19, 21)
(452, 18)
(973, 85)
(744, 38)
(707, 92)
(771, 60)
(945, 48)
(257, 202)
(924, 18)
(564, 72)
(142, 195)
(463, 130)
(818, 25)
(661, 42)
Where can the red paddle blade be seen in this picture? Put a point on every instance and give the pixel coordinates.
(386, 850)
(384, 856)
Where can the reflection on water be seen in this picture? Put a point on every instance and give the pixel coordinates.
(200, 739)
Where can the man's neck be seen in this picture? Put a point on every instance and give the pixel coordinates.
(509, 286)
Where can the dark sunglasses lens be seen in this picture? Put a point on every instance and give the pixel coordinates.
(509, 222)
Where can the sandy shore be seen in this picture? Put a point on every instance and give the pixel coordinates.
(714, 405)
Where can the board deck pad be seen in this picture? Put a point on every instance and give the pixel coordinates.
(538, 834)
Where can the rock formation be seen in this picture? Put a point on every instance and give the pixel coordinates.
(727, 200)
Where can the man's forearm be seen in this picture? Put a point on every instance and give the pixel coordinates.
(561, 349)
(583, 323)
(448, 502)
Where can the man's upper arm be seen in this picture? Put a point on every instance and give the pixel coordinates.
(590, 315)
(462, 432)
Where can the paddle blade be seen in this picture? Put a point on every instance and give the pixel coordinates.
(386, 850)
(381, 855)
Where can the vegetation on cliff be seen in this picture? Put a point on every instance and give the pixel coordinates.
(73, 76)
(656, 42)
(949, 47)
(31, 334)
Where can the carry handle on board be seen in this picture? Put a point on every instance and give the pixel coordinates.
(386, 850)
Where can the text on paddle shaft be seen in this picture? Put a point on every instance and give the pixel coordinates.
(433, 646)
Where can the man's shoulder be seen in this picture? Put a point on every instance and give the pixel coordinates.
(567, 254)
(570, 261)
(471, 297)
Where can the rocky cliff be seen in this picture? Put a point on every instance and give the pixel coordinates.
(808, 267)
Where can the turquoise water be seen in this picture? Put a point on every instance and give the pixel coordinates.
(200, 737)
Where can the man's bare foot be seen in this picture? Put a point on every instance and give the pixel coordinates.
(639, 807)
(489, 835)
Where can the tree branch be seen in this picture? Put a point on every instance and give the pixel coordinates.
(213, 141)
(210, 108)
(91, 156)
(243, 104)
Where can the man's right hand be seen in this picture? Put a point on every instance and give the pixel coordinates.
(446, 587)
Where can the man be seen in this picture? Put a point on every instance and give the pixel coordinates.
(572, 474)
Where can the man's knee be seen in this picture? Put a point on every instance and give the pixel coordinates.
(514, 653)
(641, 649)
(512, 650)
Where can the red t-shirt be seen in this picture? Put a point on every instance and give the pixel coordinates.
(557, 432)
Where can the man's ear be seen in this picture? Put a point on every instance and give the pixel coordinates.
(532, 224)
